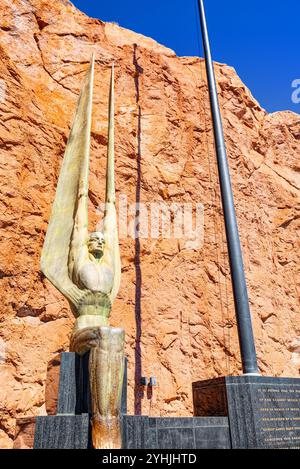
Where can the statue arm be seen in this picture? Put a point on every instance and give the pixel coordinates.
(110, 227)
(111, 248)
(78, 248)
(67, 288)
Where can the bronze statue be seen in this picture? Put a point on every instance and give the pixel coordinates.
(86, 268)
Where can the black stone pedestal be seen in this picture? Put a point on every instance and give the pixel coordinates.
(62, 432)
(140, 432)
(263, 412)
(230, 412)
(70, 428)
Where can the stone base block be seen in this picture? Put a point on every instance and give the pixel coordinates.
(175, 433)
(263, 412)
(62, 432)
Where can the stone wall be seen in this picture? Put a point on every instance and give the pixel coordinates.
(175, 300)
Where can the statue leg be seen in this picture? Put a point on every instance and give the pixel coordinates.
(106, 371)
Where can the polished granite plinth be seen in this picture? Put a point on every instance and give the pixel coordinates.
(62, 432)
(70, 428)
(230, 412)
(263, 412)
(140, 432)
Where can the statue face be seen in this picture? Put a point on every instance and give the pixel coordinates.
(96, 243)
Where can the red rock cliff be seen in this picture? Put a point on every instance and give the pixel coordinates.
(175, 302)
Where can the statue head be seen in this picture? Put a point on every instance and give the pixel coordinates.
(96, 243)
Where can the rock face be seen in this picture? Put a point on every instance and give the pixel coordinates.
(175, 301)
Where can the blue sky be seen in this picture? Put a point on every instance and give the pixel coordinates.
(259, 38)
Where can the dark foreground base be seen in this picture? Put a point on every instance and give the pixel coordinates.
(263, 412)
(175, 433)
(72, 432)
(62, 432)
(70, 428)
(232, 412)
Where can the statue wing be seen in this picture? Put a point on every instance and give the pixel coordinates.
(55, 256)
(110, 226)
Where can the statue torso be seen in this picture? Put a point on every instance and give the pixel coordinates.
(96, 277)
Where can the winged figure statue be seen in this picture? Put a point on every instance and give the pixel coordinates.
(85, 267)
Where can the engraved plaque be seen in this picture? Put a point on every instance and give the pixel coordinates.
(263, 412)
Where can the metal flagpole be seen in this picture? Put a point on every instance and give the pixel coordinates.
(246, 338)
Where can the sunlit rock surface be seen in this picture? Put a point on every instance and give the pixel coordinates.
(175, 301)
